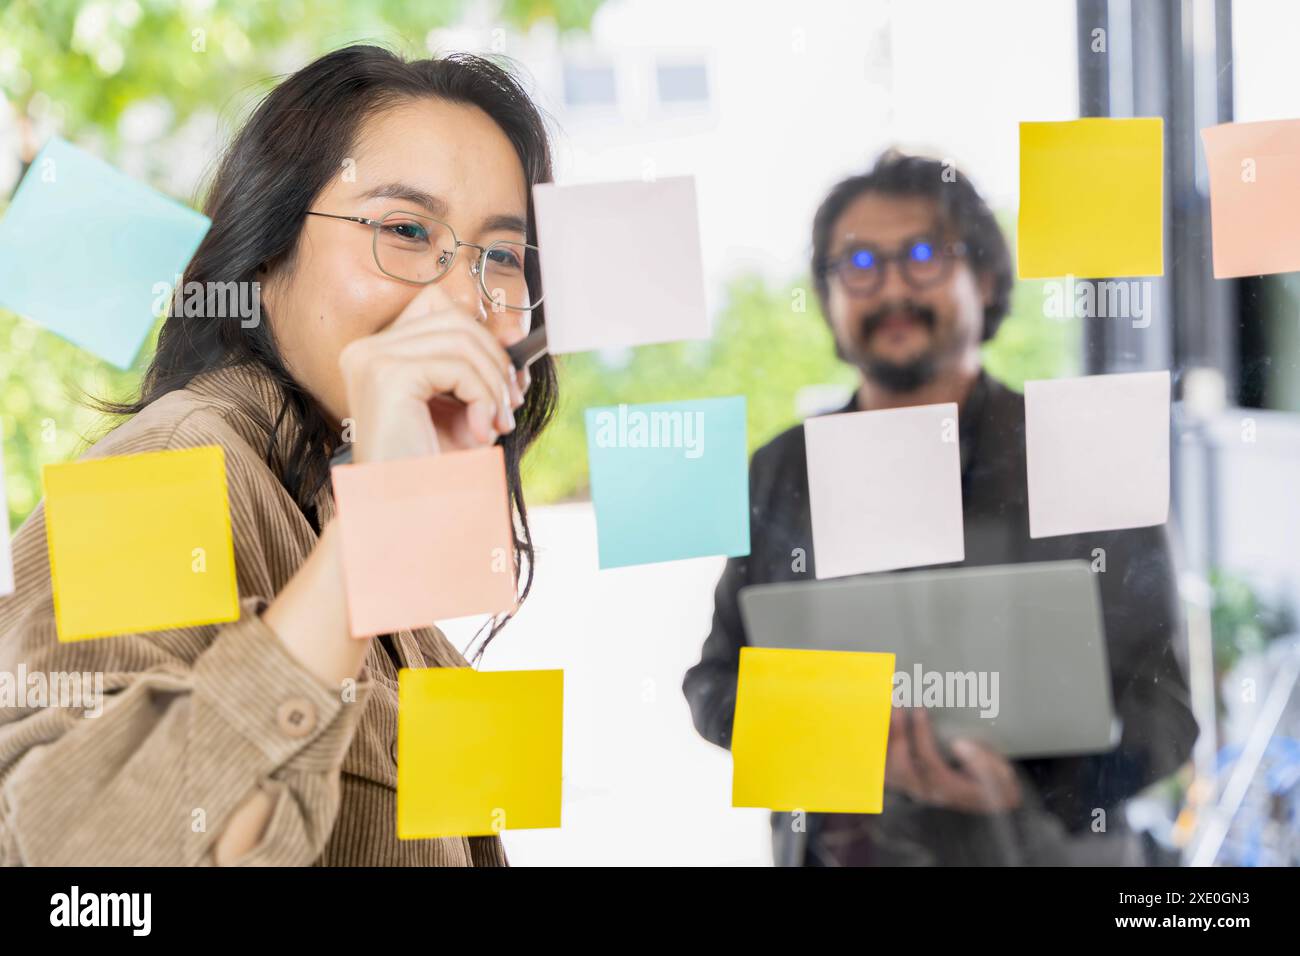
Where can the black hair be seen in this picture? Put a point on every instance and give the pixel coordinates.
(961, 209)
(284, 156)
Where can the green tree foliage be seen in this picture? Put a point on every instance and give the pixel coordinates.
(761, 348)
(89, 60)
(46, 389)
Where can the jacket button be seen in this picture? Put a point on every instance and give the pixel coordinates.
(296, 717)
(393, 750)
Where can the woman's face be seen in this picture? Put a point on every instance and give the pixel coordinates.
(449, 161)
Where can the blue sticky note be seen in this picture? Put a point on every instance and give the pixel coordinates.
(669, 480)
(84, 249)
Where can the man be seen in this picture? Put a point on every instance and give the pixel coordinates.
(913, 274)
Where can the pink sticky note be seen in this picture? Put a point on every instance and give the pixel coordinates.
(884, 489)
(621, 265)
(1254, 197)
(425, 539)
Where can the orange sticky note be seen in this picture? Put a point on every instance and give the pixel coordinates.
(425, 539)
(478, 751)
(1254, 197)
(811, 730)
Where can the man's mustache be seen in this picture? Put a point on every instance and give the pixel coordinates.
(919, 313)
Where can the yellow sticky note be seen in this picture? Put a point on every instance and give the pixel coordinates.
(478, 751)
(140, 543)
(1091, 198)
(811, 730)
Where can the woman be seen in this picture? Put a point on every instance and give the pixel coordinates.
(372, 200)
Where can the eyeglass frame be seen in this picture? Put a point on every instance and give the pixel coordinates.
(948, 252)
(477, 269)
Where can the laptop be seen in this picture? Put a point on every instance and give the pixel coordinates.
(1011, 655)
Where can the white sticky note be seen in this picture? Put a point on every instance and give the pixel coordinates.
(1097, 453)
(6, 555)
(620, 264)
(885, 489)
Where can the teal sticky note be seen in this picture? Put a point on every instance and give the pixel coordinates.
(669, 480)
(85, 249)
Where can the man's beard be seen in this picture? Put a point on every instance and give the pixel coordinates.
(899, 376)
(904, 377)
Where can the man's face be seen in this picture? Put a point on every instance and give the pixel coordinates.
(899, 335)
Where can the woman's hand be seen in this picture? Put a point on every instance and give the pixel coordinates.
(433, 380)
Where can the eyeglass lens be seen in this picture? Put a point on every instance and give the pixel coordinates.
(418, 249)
(921, 264)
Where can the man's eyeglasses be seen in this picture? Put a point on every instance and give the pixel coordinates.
(416, 248)
(922, 263)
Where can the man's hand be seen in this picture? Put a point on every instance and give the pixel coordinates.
(984, 782)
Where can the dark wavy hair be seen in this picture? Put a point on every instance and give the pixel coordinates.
(284, 156)
(961, 209)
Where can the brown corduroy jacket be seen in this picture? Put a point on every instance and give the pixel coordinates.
(193, 719)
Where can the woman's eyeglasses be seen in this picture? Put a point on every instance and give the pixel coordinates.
(416, 248)
(921, 262)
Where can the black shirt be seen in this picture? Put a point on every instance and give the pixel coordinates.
(1139, 603)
